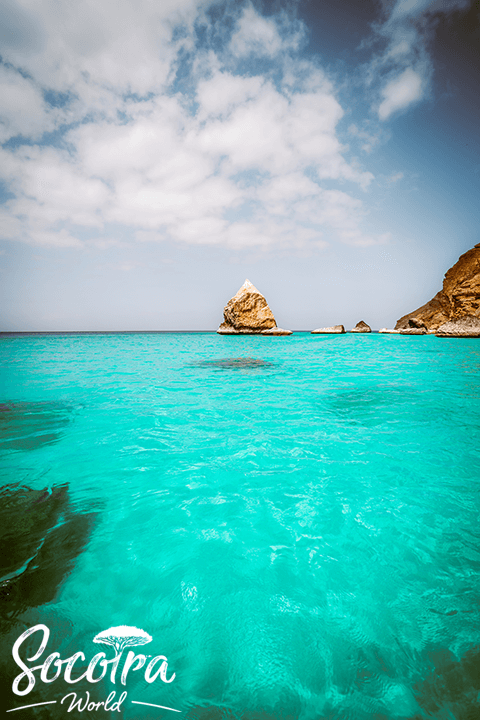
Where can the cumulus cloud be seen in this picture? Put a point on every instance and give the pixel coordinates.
(23, 110)
(231, 157)
(115, 44)
(261, 36)
(400, 92)
(408, 8)
(395, 177)
(368, 140)
(404, 69)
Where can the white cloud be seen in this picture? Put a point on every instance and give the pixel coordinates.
(403, 8)
(400, 92)
(261, 36)
(235, 160)
(221, 94)
(403, 40)
(395, 178)
(23, 110)
(405, 60)
(117, 44)
(412, 8)
(367, 139)
(255, 34)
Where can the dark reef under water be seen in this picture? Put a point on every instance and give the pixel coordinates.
(29, 425)
(41, 536)
(234, 363)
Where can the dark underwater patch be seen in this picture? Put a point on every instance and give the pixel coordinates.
(41, 536)
(371, 405)
(29, 425)
(237, 363)
(453, 685)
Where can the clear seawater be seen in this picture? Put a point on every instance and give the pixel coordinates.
(293, 520)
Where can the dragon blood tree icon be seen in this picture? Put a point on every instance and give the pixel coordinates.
(122, 636)
(126, 636)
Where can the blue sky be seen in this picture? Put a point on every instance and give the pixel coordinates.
(156, 154)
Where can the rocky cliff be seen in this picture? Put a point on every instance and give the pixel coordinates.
(460, 296)
(247, 312)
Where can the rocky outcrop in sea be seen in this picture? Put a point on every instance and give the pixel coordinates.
(333, 329)
(458, 298)
(276, 331)
(467, 326)
(361, 327)
(248, 313)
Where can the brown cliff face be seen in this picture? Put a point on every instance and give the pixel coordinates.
(460, 296)
(247, 312)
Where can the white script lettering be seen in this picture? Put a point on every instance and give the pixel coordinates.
(132, 662)
(87, 705)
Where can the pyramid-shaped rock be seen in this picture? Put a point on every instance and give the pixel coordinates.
(247, 312)
(361, 327)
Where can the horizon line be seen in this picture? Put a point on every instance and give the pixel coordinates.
(143, 332)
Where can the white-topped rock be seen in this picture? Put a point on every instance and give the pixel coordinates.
(276, 331)
(361, 327)
(333, 329)
(248, 313)
(467, 326)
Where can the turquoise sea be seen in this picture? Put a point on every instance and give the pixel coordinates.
(293, 520)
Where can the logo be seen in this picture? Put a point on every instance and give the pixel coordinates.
(53, 667)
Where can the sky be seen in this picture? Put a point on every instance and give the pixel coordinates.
(156, 153)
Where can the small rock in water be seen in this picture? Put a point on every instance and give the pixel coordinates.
(413, 331)
(361, 327)
(276, 331)
(467, 326)
(333, 329)
(389, 331)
